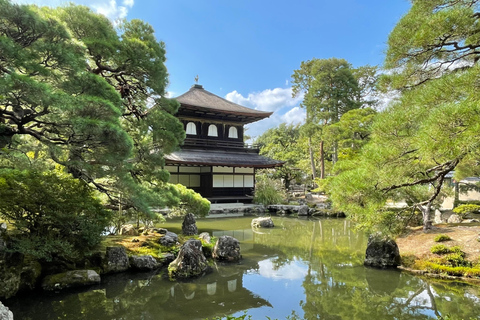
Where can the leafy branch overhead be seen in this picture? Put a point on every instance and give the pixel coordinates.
(92, 97)
(433, 128)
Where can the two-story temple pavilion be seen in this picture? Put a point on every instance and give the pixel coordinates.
(214, 161)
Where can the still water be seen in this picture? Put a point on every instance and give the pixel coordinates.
(301, 269)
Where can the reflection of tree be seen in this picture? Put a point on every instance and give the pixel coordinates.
(337, 286)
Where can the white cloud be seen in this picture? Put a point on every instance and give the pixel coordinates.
(110, 8)
(295, 115)
(294, 270)
(278, 100)
(266, 100)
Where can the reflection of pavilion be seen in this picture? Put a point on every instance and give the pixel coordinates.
(227, 293)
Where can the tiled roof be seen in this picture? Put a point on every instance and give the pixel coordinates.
(221, 158)
(199, 97)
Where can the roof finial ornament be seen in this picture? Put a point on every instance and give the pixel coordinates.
(196, 79)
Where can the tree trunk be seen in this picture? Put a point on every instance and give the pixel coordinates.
(427, 218)
(335, 153)
(457, 194)
(322, 161)
(312, 161)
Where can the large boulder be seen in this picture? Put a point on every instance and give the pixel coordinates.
(189, 225)
(454, 218)
(144, 263)
(128, 230)
(382, 253)
(169, 239)
(5, 313)
(117, 259)
(190, 261)
(70, 279)
(263, 222)
(303, 211)
(227, 248)
(18, 275)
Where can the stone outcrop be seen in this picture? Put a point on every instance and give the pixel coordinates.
(5, 313)
(263, 222)
(144, 263)
(189, 225)
(169, 239)
(70, 279)
(285, 209)
(128, 230)
(382, 253)
(227, 248)
(116, 260)
(454, 218)
(303, 211)
(190, 261)
(17, 275)
(167, 258)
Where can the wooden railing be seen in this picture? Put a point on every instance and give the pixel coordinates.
(220, 144)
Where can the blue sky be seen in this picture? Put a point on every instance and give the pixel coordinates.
(246, 50)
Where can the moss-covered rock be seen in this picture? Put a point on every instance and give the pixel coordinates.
(70, 279)
(227, 248)
(190, 261)
(16, 275)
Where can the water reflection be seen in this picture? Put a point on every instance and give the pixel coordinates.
(302, 269)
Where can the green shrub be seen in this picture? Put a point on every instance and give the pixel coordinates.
(441, 238)
(457, 259)
(268, 191)
(442, 249)
(54, 215)
(190, 202)
(452, 271)
(465, 209)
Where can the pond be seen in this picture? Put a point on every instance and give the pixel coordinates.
(301, 269)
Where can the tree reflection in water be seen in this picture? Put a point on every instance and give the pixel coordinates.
(301, 269)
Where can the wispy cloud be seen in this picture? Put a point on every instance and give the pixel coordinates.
(112, 9)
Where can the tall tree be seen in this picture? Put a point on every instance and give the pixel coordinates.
(330, 89)
(92, 98)
(282, 143)
(433, 129)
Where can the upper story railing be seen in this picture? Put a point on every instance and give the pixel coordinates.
(219, 144)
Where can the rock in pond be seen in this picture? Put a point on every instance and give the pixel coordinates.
(144, 263)
(382, 253)
(303, 211)
(263, 222)
(117, 259)
(169, 239)
(227, 248)
(70, 279)
(5, 313)
(189, 225)
(190, 261)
